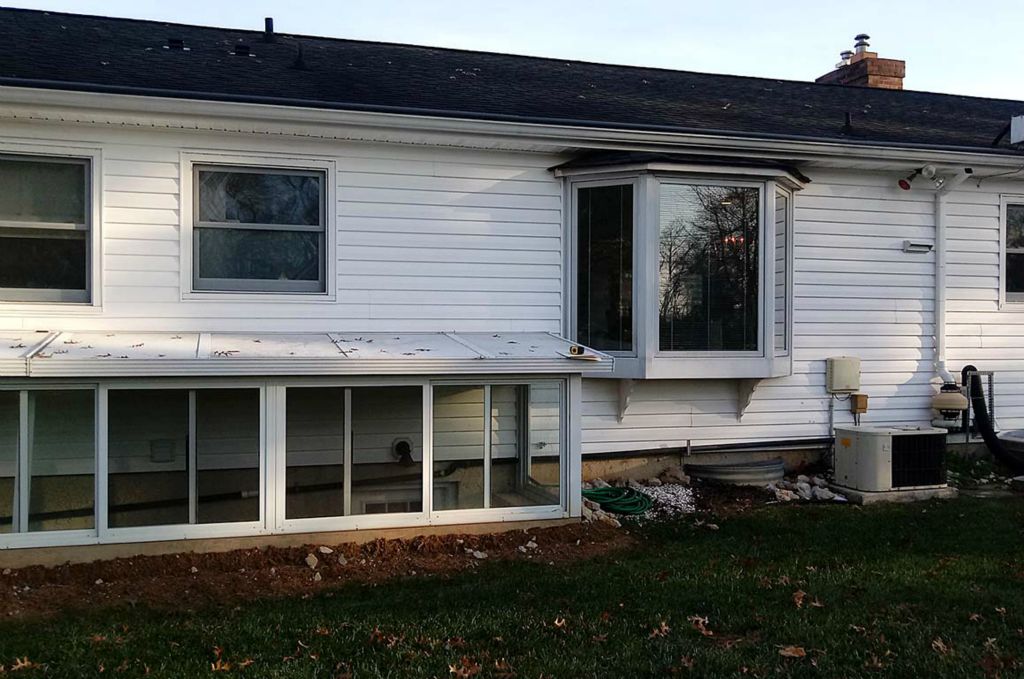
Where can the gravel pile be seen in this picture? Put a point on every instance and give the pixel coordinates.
(670, 500)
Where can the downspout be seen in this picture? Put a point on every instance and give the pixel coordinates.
(940, 272)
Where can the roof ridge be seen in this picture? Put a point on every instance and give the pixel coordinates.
(461, 50)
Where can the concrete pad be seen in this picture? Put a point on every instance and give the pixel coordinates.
(863, 497)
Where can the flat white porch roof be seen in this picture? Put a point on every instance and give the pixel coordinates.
(128, 354)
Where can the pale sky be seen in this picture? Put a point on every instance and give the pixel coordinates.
(974, 48)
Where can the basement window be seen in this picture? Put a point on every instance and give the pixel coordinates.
(45, 247)
(681, 274)
(1013, 262)
(259, 230)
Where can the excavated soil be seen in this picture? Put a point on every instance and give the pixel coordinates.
(188, 581)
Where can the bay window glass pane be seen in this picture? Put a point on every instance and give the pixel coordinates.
(708, 268)
(526, 444)
(9, 431)
(604, 262)
(227, 455)
(148, 457)
(315, 452)
(1015, 272)
(62, 459)
(458, 447)
(781, 270)
(259, 197)
(40, 190)
(1014, 227)
(255, 254)
(43, 259)
(1015, 248)
(387, 450)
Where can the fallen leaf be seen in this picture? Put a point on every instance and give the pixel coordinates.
(975, 617)
(560, 623)
(701, 625)
(940, 646)
(792, 652)
(466, 668)
(798, 598)
(23, 664)
(220, 666)
(661, 630)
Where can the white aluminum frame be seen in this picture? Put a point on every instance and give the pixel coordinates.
(272, 439)
(27, 300)
(624, 360)
(649, 361)
(1012, 298)
(250, 290)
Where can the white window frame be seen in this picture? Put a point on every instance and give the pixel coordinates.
(649, 361)
(252, 290)
(272, 433)
(28, 300)
(1005, 297)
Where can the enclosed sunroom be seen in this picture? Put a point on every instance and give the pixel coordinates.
(120, 437)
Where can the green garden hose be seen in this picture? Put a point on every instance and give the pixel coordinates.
(620, 500)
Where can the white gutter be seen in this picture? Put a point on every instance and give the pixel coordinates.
(940, 271)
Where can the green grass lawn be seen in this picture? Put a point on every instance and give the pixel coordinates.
(923, 590)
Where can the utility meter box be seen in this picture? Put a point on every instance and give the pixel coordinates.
(842, 374)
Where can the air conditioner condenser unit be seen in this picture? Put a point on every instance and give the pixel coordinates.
(877, 459)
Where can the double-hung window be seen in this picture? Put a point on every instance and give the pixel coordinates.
(45, 245)
(1013, 263)
(259, 230)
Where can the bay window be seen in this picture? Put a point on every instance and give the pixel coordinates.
(682, 273)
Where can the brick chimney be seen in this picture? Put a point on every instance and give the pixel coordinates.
(864, 68)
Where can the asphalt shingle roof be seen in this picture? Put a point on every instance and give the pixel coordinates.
(77, 52)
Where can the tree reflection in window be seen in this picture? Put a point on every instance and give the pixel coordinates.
(708, 268)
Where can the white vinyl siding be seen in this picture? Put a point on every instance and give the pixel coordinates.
(426, 239)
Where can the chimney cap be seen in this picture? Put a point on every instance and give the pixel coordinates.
(268, 29)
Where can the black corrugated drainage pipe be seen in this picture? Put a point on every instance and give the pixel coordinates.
(984, 422)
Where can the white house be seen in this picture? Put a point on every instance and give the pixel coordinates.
(256, 285)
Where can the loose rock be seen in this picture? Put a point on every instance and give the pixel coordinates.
(654, 482)
(823, 494)
(819, 482)
(802, 479)
(311, 560)
(599, 483)
(342, 561)
(479, 554)
(317, 577)
(326, 550)
(674, 474)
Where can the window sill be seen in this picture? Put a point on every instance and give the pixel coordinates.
(701, 367)
(257, 296)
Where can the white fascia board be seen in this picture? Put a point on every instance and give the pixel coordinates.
(303, 366)
(66, 106)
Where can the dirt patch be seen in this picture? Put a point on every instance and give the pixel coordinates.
(724, 501)
(189, 581)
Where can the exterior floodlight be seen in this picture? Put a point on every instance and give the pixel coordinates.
(906, 181)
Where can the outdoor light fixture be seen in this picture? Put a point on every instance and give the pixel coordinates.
(926, 171)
